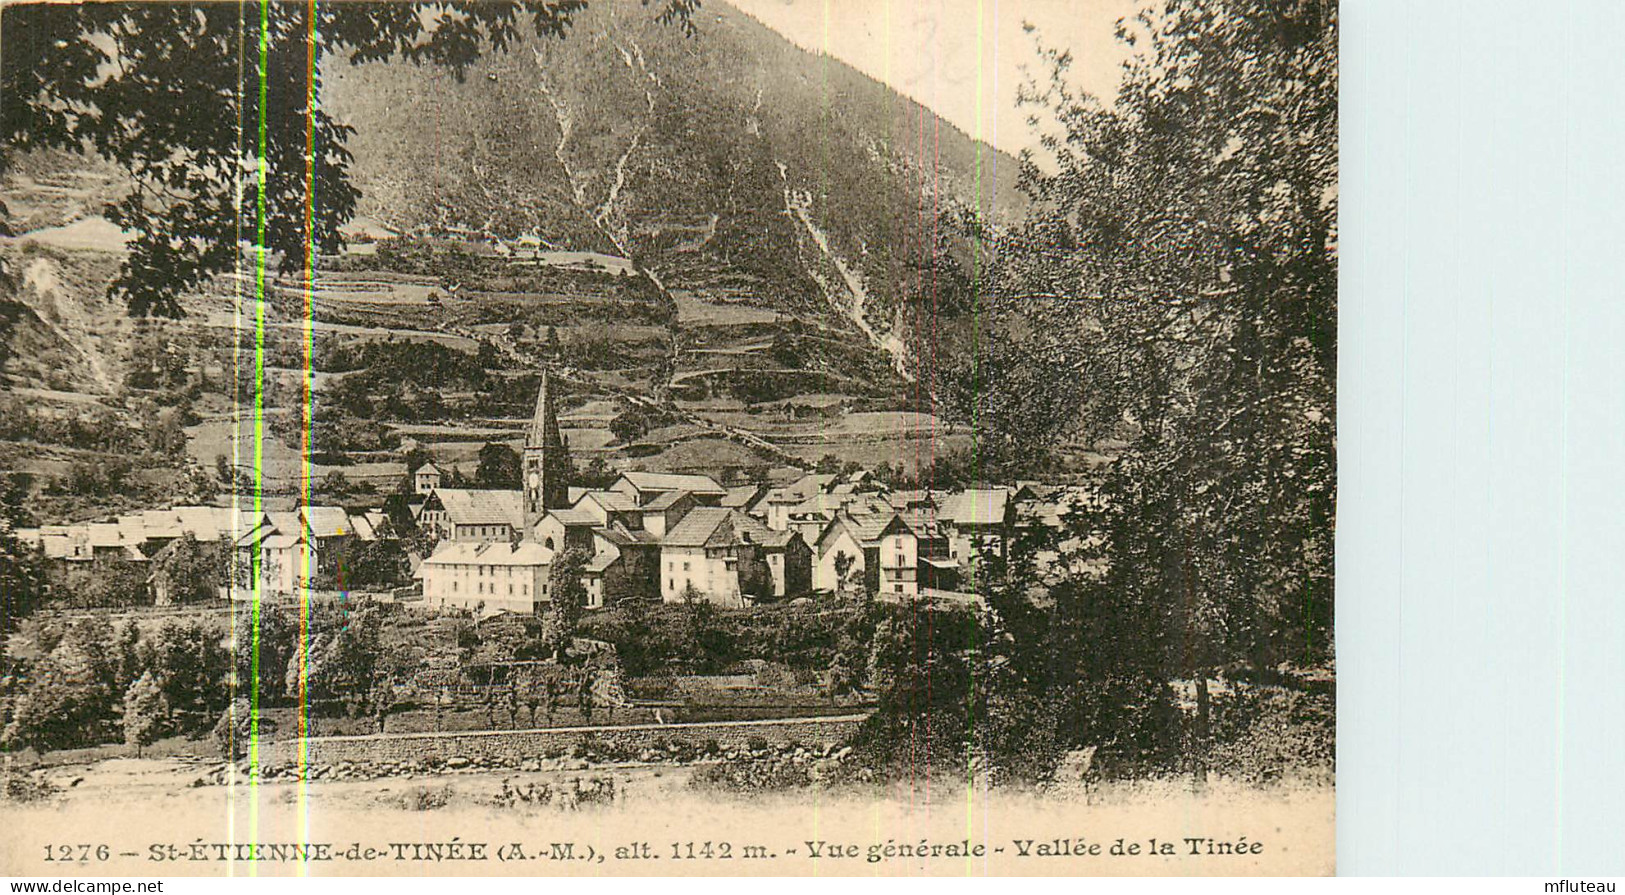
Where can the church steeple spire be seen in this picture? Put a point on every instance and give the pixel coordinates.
(546, 461)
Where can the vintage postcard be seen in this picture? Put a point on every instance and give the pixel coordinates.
(658, 437)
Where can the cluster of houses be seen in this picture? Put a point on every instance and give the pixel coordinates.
(648, 537)
(289, 550)
(677, 537)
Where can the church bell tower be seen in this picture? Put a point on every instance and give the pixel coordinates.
(546, 462)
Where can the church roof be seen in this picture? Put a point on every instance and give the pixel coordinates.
(544, 422)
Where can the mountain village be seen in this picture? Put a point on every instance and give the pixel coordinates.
(648, 537)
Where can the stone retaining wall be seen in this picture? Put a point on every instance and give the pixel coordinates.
(515, 746)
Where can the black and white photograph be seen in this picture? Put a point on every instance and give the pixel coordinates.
(668, 437)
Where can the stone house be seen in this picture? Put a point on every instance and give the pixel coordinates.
(712, 552)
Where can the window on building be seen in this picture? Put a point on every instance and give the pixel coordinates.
(898, 588)
(685, 566)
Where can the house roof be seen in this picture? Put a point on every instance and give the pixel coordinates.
(811, 484)
(465, 506)
(428, 467)
(621, 536)
(499, 553)
(362, 526)
(833, 530)
(161, 523)
(742, 496)
(202, 523)
(132, 528)
(255, 535)
(614, 501)
(601, 560)
(915, 498)
(871, 527)
(922, 522)
(574, 518)
(55, 546)
(665, 501)
(778, 540)
(696, 528)
(327, 522)
(666, 481)
(715, 527)
(754, 527)
(981, 506)
(105, 534)
(285, 521)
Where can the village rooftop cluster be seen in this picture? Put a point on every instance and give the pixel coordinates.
(647, 537)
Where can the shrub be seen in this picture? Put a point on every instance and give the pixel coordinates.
(21, 786)
(426, 798)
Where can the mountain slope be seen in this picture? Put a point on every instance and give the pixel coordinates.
(733, 166)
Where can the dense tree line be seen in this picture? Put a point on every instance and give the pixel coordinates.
(1173, 292)
(95, 679)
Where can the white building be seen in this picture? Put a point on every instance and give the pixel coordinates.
(716, 554)
(487, 578)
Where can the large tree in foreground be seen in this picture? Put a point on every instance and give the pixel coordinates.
(1181, 262)
(213, 111)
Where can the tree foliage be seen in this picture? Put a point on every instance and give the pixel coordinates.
(1181, 265)
(567, 597)
(146, 712)
(499, 466)
(22, 582)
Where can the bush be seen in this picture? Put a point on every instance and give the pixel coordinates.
(426, 798)
(22, 787)
(754, 775)
(1266, 734)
